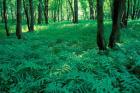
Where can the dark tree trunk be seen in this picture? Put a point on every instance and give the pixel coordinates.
(133, 10)
(19, 19)
(58, 10)
(32, 15)
(5, 17)
(40, 12)
(116, 15)
(124, 15)
(54, 15)
(91, 9)
(46, 12)
(75, 11)
(72, 10)
(26, 8)
(100, 33)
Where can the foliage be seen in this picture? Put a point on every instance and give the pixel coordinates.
(64, 59)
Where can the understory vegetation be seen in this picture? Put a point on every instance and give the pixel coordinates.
(63, 58)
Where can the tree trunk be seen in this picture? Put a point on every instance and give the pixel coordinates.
(54, 15)
(27, 14)
(133, 10)
(58, 10)
(91, 9)
(124, 15)
(116, 15)
(127, 14)
(12, 14)
(19, 19)
(40, 12)
(2, 19)
(46, 12)
(61, 10)
(32, 15)
(75, 11)
(5, 17)
(100, 33)
(72, 10)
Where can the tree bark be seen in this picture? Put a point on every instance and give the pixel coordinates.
(5, 17)
(116, 17)
(100, 33)
(40, 12)
(32, 15)
(91, 9)
(72, 10)
(46, 12)
(19, 19)
(26, 8)
(124, 15)
(75, 11)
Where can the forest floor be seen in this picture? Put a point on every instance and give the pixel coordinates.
(63, 58)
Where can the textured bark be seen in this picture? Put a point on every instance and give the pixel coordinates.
(91, 9)
(46, 12)
(40, 12)
(32, 15)
(116, 15)
(5, 17)
(100, 33)
(19, 19)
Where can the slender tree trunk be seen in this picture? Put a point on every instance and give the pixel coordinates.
(58, 10)
(72, 10)
(137, 9)
(124, 15)
(91, 9)
(26, 8)
(2, 19)
(40, 12)
(116, 15)
(127, 14)
(32, 15)
(54, 15)
(133, 10)
(46, 11)
(19, 19)
(100, 33)
(5, 17)
(11, 7)
(61, 10)
(75, 11)
(67, 8)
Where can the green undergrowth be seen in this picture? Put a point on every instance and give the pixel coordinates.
(63, 58)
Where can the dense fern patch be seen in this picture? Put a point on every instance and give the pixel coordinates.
(63, 58)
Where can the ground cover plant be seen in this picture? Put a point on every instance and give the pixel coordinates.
(69, 46)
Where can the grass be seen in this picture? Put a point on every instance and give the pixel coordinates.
(62, 58)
